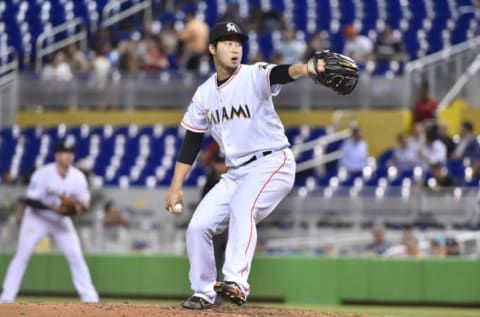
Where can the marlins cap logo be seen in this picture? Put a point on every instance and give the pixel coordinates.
(232, 27)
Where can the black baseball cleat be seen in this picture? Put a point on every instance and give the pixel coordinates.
(231, 292)
(196, 303)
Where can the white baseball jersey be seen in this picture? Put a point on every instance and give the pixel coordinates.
(241, 117)
(46, 186)
(242, 103)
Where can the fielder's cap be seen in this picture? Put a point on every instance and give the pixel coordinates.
(65, 146)
(223, 29)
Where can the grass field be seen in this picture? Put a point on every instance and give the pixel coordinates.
(394, 311)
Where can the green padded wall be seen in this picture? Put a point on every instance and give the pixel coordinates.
(296, 280)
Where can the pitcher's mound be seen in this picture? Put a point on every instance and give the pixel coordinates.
(151, 310)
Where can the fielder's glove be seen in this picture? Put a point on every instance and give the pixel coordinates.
(70, 206)
(341, 72)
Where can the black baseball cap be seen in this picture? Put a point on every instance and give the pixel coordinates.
(64, 146)
(223, 29)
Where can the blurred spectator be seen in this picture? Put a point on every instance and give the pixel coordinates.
(193, 38)
(318, 42)
(433, 151)
(101, 68)
(418, 136)
(445, 138)
(128, 62)
(265, 21)
(7, 178)
(389, 46)
(357, 46)
(290, 48)
(425, 107)
(408, 248)
(101, 39)
(452, 247)
(58, 70)
(277, 58)
(76, 59)
(412, 248)
(113, 215)
(168, 35)
(354, 152)
(379, 244)
(440, 182)
(153, 59)
(405, 154)
(232, 13)
(468, 147)
(437, 247)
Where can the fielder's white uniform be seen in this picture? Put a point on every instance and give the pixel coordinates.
(241, 117)
(46, 186)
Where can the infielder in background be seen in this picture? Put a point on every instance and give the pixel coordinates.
(235, 105)
(56, 191)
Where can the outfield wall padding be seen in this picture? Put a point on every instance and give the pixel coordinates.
(295, 280)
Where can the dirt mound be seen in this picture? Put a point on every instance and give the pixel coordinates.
(150, 310)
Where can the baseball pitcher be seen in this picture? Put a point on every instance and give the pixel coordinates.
(235, 105)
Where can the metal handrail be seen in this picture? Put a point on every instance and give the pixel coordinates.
(461, 82)
(107, 21)
(8, 71)
(81, 37)
(321, 141)
(441, 55)
(11, 65)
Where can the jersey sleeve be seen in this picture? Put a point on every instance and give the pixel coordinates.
(81, 192)
(262, 80)
(36, 189)
(195, 119)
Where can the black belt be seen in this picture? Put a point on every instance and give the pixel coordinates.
(254, 158)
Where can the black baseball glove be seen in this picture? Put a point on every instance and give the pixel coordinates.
(341, 72)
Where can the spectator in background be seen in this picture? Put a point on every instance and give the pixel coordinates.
(58, 70)
(290, 48)
(318, 42)
(153, 59)
(354, 152)
(101, 68)
(113, 215)
(232, 13)
(408, 248)
(7, 178)
(452, 247)
(193, 38)
(437, 247)
(425, 107)
(168, 35)
(76, 59)
(468, 148)
(357, 46)
(128, 62)
(440, 182)
(445, 138)
(379, 244)
(101, 39)
(389, 46)
(405, 154)
(433, 151)
(418, 135)
(266, 21)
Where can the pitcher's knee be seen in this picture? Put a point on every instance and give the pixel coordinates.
(198, 230)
